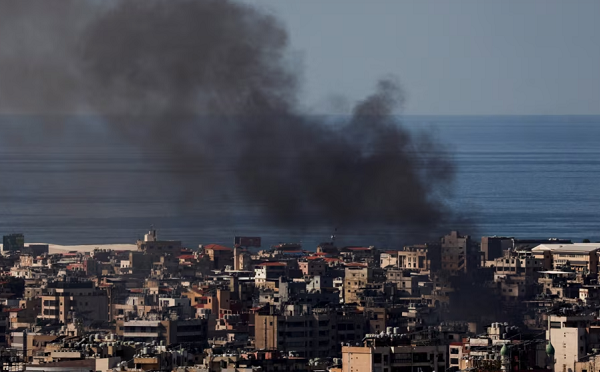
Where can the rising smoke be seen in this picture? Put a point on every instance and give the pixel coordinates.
(211, 83)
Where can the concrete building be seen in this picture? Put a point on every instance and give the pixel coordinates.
(312, 267)
(581, 257)
(494, 246)
(459, 254)
(301, 330)
(169, 331)
(269, 272)
(568, 335)
(219, 255)
(12, 243)
(383, 354)
(519, 264)
(407, 284)
(355, 279)
(151, 244)
(65, 300)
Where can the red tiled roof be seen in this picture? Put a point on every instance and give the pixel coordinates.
(358, 248)
(356, 264)
(186, 257)
(217, 247)
(13, 310)
(332, 259)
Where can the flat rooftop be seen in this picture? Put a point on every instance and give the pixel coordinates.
(580, 248)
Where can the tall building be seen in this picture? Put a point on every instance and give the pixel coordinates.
(459, 253)
(13, 242)
(568, 334)
(494, 246)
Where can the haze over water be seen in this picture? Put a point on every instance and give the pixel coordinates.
(517, 176)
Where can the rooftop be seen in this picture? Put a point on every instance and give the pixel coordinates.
(568, 248)
(217, 247)
(272, 264)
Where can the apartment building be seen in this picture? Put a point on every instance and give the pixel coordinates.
(63, 301)
(581, 257)
(391, 354)
(459, 253)
(169, 331)
(312, 267)
(568, 334)
(355, 279)
(407, 284)
(267, 273)
(493, 247)
(304, 331)
(220, 256)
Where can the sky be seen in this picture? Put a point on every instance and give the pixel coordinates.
(460, 57)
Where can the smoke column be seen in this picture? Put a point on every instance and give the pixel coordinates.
(211, 84)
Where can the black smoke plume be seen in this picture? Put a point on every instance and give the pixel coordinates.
(211, 83)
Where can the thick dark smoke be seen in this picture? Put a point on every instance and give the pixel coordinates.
(211, 84)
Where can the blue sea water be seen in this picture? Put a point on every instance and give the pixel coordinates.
(527, 177)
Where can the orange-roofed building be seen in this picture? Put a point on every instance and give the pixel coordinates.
(312, 267)
(219, 255)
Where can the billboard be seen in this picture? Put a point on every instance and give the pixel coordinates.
(247, 241)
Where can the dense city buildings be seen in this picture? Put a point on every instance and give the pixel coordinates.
(451, 304)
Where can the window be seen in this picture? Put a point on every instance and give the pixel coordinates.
(420, 357)
(377, 358)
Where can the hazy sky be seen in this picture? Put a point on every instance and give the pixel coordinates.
(510, 57)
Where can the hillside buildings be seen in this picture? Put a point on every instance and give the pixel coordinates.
(451, 304)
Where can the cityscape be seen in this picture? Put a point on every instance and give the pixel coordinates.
(454, 304)
(299, 185)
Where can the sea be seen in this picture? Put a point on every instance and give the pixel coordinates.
(517, 176)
